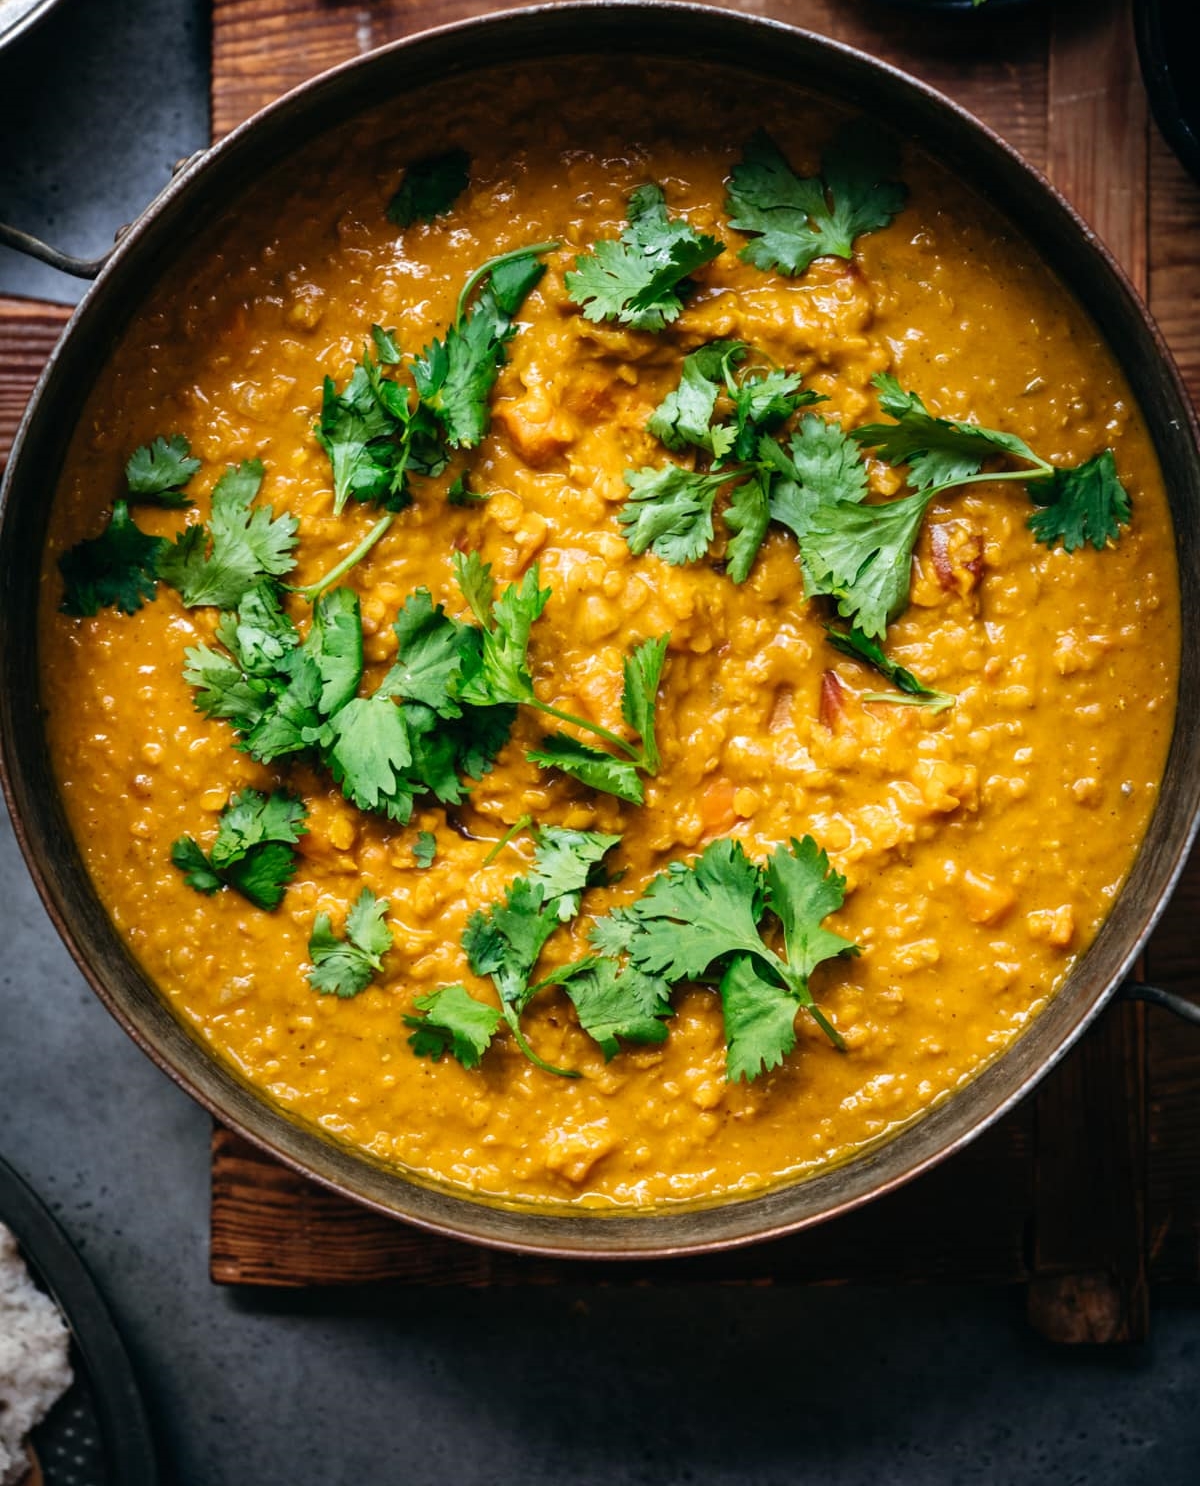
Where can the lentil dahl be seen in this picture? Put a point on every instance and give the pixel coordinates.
(983, 844)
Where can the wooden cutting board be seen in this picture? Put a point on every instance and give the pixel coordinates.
(1090, 1191)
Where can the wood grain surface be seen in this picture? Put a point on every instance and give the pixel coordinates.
(1090, 1192)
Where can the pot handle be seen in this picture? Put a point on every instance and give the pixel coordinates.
(82, 268)
(1185, 1010)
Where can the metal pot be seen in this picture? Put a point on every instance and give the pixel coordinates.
(201, 190)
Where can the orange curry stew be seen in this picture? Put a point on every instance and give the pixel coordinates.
(981, 841)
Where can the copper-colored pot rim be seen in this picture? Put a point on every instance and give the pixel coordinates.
(647, 27)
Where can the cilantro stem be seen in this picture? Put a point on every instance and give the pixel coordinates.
(512, 1020)
(590, 727)
(798, 985)
(515, 829)
(985, 476)
(935, 701)
(314, 590)
(484, 269)
(826, 1026)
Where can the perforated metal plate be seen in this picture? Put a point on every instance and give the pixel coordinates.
(97, 1434)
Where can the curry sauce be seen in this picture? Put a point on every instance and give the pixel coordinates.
(983, 845)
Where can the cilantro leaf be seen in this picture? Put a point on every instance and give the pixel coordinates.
(565, 862)
(431, 645)
(252, 852)
(335, 645)
(459, 492)
(591, 766)
(794, 220)
(823, 465)
(251, 818)
(117, 569)
(430, 187)
(760, 1020)
(747, 517)
(859, 647)
(195, 866)
(344, 967)
(377, 432)
(263, 874)
(485, 734)
(862, 556)
(1085, 504)
(453, 1021)
(474, 579)
(502, 673)
(454, 377)
(683, 417)
(802, 890)
(157, 472)
(224, 690)
(424, 849)
(691, 916)
(291, 721)
(498, 672)
(762, 401)
(669, 512)
(355, 433)
(506, 940)
(219, 563)
(643, 673)
(937, 451)
(368, 749)
(701, 922)
(615, 1001)
(641, 279)
(258, 632)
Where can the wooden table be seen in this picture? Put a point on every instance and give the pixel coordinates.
(1090, 1191)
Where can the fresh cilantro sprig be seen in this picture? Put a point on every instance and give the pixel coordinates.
(452, 1021)
(670, 510)
(379, 431)
(219, 562)
(597, 768)
(504, 943)
(501, 674)
(861, 554)
(642, 278)
(911, 691)
(713, 922)
(1085, 504)
(344, 967)
(795, 220)
(424, 850)
(118, 569)
(252, 852)
(430, 187)
(284, 696)
(454, 377)
(157, 472)
(704, 922)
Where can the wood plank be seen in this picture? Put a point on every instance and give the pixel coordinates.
(995, 65)
(963, 1222)
(29, 331)
(1174, 269)
(1089, 1234)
